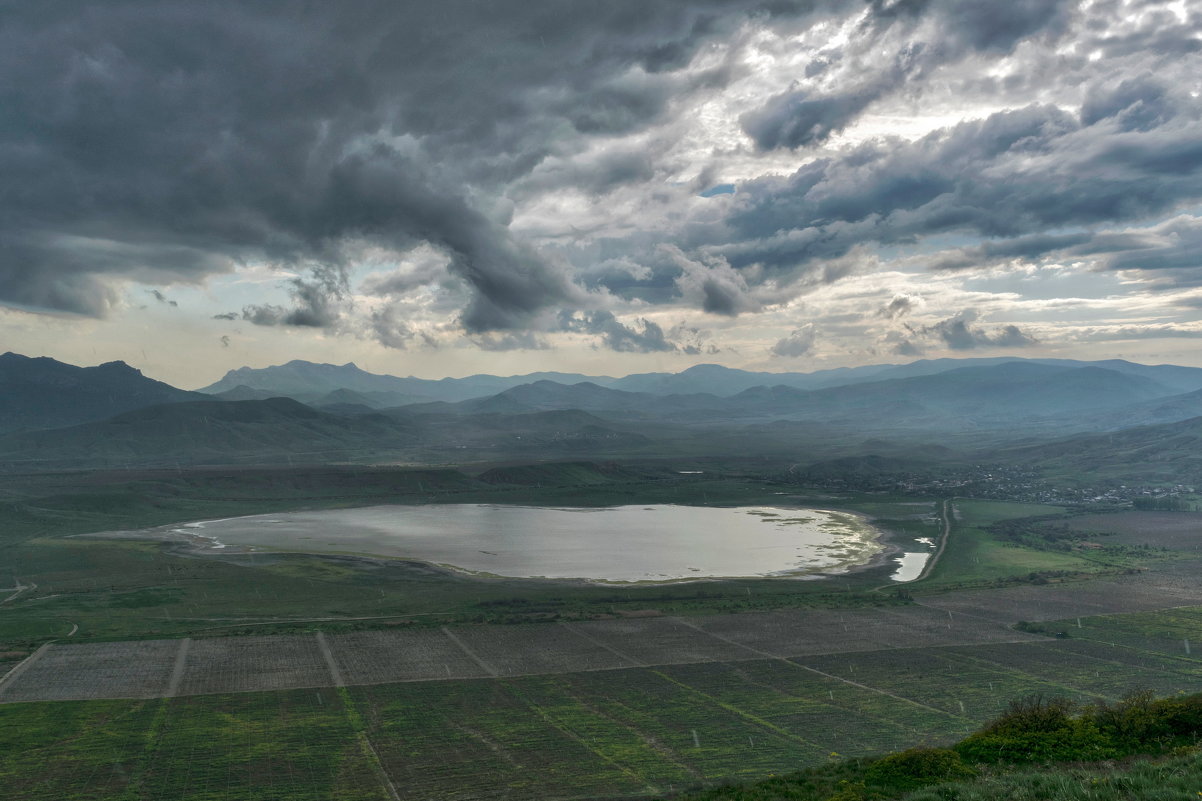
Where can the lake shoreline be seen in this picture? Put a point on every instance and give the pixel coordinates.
(849, 542)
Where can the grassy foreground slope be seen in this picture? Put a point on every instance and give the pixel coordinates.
(1040, 748)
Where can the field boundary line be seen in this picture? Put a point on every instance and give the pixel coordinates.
(664, 751)
(177, 670)
(957, 656)
(328, 655)
(385, 779)
(727, 640)
(1161, 654)
(1116, 663)
(877, 690)
(12, 675)
(366, 748)
(780, 731)
(567, 731)
(612, 650)
(1002, 626)
(1004, 622)
(487, 668)
(789, 661)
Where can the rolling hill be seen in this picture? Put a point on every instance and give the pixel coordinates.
(308, 381)
(210, 432)
(992, 396)
(1168, 453)
(41, 392)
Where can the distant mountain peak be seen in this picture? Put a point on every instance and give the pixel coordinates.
(42, 392)
(118, 367)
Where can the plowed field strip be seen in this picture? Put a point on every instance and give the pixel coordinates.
(1003, 668)
(800, 666)
(177, 672)
(335, 673)
(11, 677)
(634, 662)
(487, 668)
(1164, 659)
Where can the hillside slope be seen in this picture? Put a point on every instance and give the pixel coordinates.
(41, 392)
(213, 432)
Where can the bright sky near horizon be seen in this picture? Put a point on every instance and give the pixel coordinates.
(460, 187)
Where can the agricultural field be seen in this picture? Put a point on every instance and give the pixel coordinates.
(1175, 531)
(1171, 585)
(975, 557)
(153, 668)
(628, 732)
(1174, 633)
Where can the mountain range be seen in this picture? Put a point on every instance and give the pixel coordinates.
(44, 393)
(58, 415)
(307, 381)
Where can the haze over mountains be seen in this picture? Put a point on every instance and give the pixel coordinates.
(300, 378)
(60, 415)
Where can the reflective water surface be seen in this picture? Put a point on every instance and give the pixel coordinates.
(615, 544)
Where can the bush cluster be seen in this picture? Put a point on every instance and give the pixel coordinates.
(1039, 729)
(1002, 759)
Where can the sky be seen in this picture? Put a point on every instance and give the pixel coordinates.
(460, 187)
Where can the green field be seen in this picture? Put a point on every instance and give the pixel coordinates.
(613, 733)
(976, 557)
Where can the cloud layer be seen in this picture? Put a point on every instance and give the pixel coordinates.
(517, 175)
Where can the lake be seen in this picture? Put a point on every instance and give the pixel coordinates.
(613, 544)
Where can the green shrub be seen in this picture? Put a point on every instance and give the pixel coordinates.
(917, 767)
(1135, 724)
(849, 791)
(1182, 716)
(1038, 729)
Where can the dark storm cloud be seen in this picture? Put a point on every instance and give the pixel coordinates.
(519, 340)
(172, 140)
(798, 119)
(977, 25)
(715, 287)
(959, 333)
(167, 142)
(955, 28)
(1167, 256)
(799, 343)
(1135, 104)
(161, 298)
(1046, 170)
(389, 327)
(317, 301)
(1170, 252)
(899, 306)
(644, 336)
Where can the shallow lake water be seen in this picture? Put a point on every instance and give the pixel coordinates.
(910, 566)
(613, 544)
